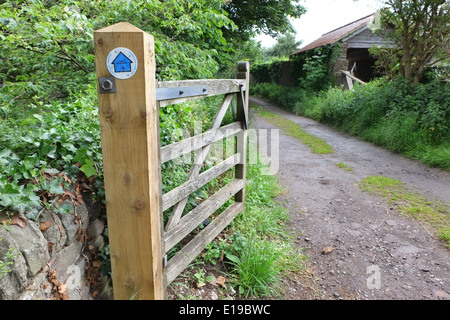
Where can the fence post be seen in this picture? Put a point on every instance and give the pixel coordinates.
(242, 116)
(129, 120)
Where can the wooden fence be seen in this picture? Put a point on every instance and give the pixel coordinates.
(129, 102)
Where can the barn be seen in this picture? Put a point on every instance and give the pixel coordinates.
(356, 38)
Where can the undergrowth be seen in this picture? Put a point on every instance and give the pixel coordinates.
(269, 252)
(412, 120)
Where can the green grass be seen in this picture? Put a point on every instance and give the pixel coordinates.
(435, 213)
(267, 251)
(344, 166)
(258, 247)
(316, 144)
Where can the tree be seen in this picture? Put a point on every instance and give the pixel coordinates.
(421, 31)
(47, 53)
(269, 17)
(250, 51)
(284, 47)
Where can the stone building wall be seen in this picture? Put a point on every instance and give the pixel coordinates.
(341, 64)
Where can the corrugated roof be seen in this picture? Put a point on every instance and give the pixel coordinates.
(337, 34)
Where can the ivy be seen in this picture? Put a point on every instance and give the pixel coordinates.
(310, 70)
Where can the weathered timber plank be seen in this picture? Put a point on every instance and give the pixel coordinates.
(348, 74)
(190, 221)
(179, 193)
(188, 253)
(177, 149)
(215, 87)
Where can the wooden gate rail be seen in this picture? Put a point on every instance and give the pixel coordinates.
(129, 102)
(177, 227)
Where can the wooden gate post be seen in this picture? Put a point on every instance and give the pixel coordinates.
(129, 120)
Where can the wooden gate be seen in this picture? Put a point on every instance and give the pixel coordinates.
(129, 102)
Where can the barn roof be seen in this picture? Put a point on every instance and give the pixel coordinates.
(337, 34)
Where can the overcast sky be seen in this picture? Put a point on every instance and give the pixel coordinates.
(323, 16)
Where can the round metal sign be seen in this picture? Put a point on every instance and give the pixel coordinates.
(121, 63)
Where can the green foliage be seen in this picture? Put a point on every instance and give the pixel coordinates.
(267, 72)
(257, 244)
(255, 269)
(45, 148)
(284, 46)
(317, 67)
(311, 70)
(263, 248)
(286, 97)
(43, 40)
(420, 29)
(8, 260)
(49, 126)
(250, 51)
(263, 16)
(413, 120)
(409, 119)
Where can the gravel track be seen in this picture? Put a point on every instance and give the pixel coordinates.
(359, 247)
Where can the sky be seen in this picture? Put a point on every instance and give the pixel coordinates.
(323, 16)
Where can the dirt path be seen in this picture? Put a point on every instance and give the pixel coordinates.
(377, 252)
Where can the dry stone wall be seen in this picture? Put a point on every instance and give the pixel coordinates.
(49, 257)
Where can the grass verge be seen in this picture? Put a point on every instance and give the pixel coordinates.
(436, 214)
(252, 255)
(269, 251)
(316, 144)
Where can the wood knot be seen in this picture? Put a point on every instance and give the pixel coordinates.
(129, 283)
(139, 205)
(108, 112)
(127, 178)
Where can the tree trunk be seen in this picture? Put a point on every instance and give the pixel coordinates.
(407, 61)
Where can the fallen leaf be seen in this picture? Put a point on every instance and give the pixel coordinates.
(220, 280)
(50, 246)
(17, 219)
(62, 288)
(44, 225)
(327, 250)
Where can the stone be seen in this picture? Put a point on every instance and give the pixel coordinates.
(55, 234)
(96, 228)
(32, 245)
(74, 221)
(354, 233)
(442, 294)
(14, 278)
(391, 223)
